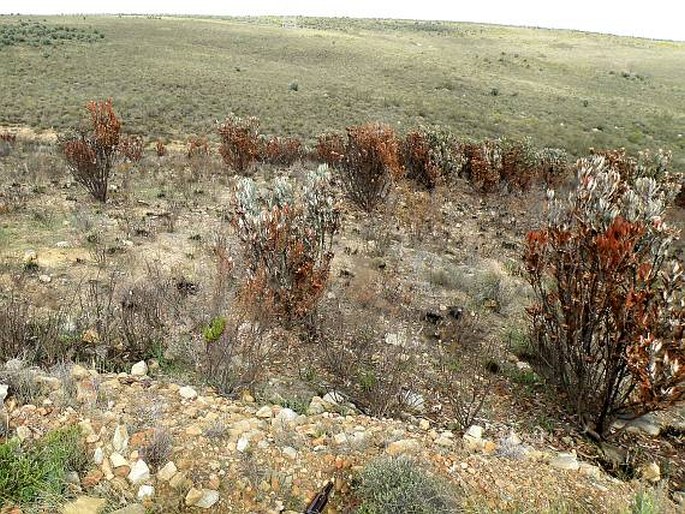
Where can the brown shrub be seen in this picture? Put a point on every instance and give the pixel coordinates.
(131, 148)
(198, 147)
(370, 164)
(330, 149)
(240, 142)
(91, 155)
(160, 148)
(281, 151)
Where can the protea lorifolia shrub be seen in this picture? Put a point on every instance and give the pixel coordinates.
(160, 148)
(90, 156)
(281, 151)
(370, 164)
(330, 149)
(240, 142)
(287, 240)
(198, 147)
(431, 156)
(483, 167)
(131, 148)
(609, 309)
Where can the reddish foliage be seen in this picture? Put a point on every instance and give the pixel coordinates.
(131, 148)
(240, 142)
(479, 168)
(287, 277)
(330, 149)
(281, 151)
(420, 165)
(90, 157)
(8, 137)
(370, 164)
(197, 147)
(160, 148)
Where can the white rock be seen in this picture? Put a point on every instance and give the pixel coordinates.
(45, 279)
(3, 392)
(403, 446)
(117, 460)
(286, 416)
(565, 461)
(424, 424)
(243, 444)
(523, 366)
(340, 439)
(289, 452)
(120, 439)
(265, 412)
(187, 393)
(651, 472)
(333, 398)
(316, 406)
(139, 369)
(145, 491)
(167, 472)
(98, 456)
(209, 498)
(62, 244)
(475, 432)
(414, 400)
(139, 472)
(78, 372)
(23, 432)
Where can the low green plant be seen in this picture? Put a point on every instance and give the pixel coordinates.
(214, 330)
(31, 473)
(398, 485)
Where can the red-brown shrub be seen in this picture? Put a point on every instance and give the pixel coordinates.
(418, 162)
(8, 137)
(197, 147)
(281, 151)
(240, 142)
(90, 156)
(131, 148)
(330, 149)
(370, 164)
(160, 148)
(609, 316)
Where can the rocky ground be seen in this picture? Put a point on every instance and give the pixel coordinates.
(159, 446)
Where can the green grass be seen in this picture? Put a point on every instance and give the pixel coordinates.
(31, 473)
(174, 76)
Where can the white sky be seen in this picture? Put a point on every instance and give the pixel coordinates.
(663, 19)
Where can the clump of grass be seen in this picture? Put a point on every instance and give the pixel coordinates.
(399, 486)
(32, 473)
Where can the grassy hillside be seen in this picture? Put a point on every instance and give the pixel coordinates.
(173, 77)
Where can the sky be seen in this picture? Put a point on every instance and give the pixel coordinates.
(660, 19)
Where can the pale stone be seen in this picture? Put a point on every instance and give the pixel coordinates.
(651, 472)
(139, 472)
(444, 441)
(139, 369)
(46, 279)
(316, 406)
(85, 505)
(193, 496)
(78, 372)
(208, 499)
(145, 491)
(187, 392)
(243, 444)
(424, 424)
(565, 461)
(117, 460)
(3, 392)
(340, 439)
(289, 452)
(120, 439)
(265, 412)
(589, 470)
(403, 446)
(473, 438)
(167, 472)
(98, 456)
(23, 432)
(286, 416)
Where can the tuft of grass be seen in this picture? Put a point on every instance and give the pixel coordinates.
(35, 472)
(398, 485)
